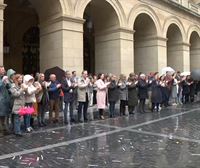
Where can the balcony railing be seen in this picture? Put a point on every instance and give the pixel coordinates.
(189, 5)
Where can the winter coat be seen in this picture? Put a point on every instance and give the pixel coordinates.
(101, 94)
(54, 92)
(142, 89)
(123, 91)
(31, 90)
(83, 90)
(186, 88)
(4, 100)
(68, 91)
(156, 96)
(174, 92)
(19, 98)
(113, 92)
(132, 94)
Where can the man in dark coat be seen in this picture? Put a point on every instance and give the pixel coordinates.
(4, 102)
(54, 98)
(142, 92)
(68, 87)
(132, 93)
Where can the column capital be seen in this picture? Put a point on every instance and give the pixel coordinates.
(3, 6)
(54, 20)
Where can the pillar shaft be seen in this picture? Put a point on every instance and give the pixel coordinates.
(61, 44)
(2, 7)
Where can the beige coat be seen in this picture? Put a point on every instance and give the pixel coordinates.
(82, 90)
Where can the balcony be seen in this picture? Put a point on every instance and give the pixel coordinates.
(191, 5)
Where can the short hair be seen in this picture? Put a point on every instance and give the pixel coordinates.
(73, 72)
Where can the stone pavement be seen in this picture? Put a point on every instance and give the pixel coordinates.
(168, 139)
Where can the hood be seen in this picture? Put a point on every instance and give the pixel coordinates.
(27, 78)
(10, 72)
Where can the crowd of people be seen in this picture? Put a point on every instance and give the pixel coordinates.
(18, 91)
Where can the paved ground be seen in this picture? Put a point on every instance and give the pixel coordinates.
(168, 139)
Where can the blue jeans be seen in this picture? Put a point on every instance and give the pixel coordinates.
(70, 105)
(27, 121)
(17, 124)
(112, 109)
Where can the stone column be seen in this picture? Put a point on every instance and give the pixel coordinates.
(150, 54)
(178, 56)
(194, 58)
(114, 51)
(2, 7)
(61, 44)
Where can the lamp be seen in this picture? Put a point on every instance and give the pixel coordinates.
(6, 48)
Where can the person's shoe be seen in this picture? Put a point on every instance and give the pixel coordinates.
(131, 113)
(102, 117)
(55, 121)
(6, 132)
(19, 135)
(66, 123)
(72, 121)
(28, 130)
(44, 124)
(80, 121)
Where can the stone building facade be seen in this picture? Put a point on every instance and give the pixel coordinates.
(117, 36)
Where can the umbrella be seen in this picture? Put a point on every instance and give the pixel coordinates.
(60, 73)
(167, 69)
(195, 74)
(185, 73)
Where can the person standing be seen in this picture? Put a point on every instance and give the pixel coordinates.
(42, 100)
(83, 96)
(113, 95)
(174, 92)
(142, 92)
(156, 93)
(4, 102)
(54, 99)
(101, 95)
(75, 81)
(30, 98)
(18, 94)
(123, 94)
(68, 87)
(132, 93)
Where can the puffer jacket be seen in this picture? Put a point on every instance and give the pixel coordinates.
(19, 99)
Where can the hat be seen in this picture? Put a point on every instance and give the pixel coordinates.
(142, 75)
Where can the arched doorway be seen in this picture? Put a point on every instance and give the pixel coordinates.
(145, 46)
(31, 59)
(175, 48)
(101, 47)
(20, 34)
(194, 51)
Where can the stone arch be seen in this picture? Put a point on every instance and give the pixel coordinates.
(191, 29)
(57, 8)
(193, 36)
(144, 9)
(174, 20)
(176, 40)
(82, 4)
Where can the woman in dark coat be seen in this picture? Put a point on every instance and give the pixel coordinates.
(186, 90)
(132, 94)
(156, 93)
(142, 92)
(113, 95)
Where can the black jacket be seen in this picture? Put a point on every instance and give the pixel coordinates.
(68, 91)
(142, 89)
(113, 92)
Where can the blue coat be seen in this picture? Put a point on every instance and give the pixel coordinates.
(4, 100)
(54, 92)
